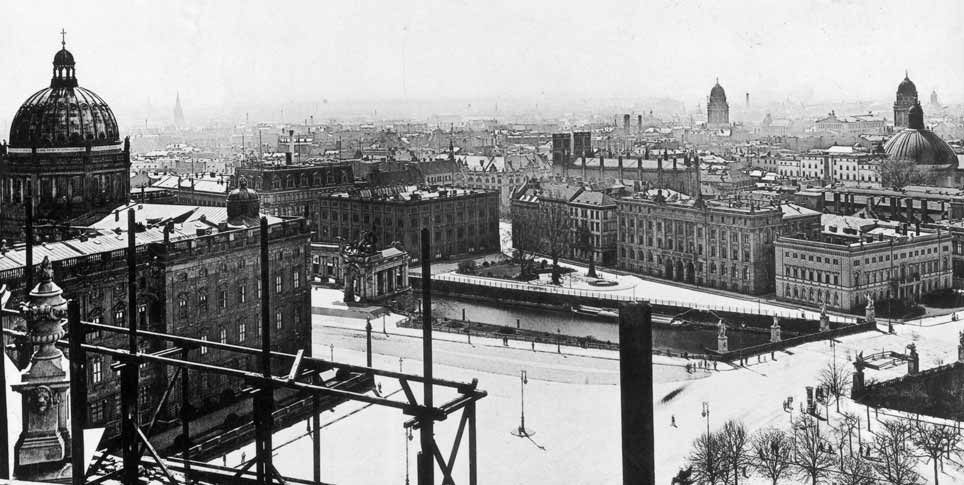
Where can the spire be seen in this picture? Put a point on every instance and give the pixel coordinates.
(906, 74)
(63, 39)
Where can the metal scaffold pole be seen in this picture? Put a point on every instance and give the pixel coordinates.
(129, 372)
(427, 431)
(264, 398)
(78, 393)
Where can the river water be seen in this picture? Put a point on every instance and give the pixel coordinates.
(568, 323)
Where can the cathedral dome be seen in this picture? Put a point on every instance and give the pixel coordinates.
(920, 145)
(64, 114)
(907, 87)
(717, 93)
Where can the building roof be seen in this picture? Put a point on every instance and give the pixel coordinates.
(593, 198)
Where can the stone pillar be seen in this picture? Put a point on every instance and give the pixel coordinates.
(42, 452)
(775, 330)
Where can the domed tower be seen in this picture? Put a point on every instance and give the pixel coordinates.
(924, 148)
(244, 206)
(65, 156)
(717, 109)
(906, 98)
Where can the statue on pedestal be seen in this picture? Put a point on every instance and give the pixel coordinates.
(824, 318)
(775, 330)
(870, 313)
(722, 341)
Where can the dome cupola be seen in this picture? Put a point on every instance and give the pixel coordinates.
(63, 114)
(244, 205)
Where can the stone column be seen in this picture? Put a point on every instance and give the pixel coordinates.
(42, 452)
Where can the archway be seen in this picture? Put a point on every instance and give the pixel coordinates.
(690, 273)
(668, 269)
(679, 271)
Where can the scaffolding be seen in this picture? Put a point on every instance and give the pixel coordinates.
(304, 375)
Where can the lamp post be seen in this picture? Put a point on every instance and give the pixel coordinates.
(331, 347)
(400, 364)
(558, 341)
(522, 431)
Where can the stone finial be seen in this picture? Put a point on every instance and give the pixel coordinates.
(42, 452)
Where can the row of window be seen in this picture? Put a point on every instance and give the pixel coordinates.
(242, 293)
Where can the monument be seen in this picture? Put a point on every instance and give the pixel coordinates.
(824, 318)
(722, 341)
(371, 275)
(775, 330)
(43, 452)
(870, 313)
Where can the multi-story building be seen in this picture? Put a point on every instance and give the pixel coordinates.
(855, 259)
(721, 244)
(198, 276)
(292, 190)
(461, 221)
(837, 164)
(502, 174)
(587, 217)
(863, 124)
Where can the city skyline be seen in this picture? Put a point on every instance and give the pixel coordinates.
(254, 57)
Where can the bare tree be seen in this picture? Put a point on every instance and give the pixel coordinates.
(771, 454)
(856, 470)
(584, 242)
(542, 229)
(812, 454)
(896, 462)
(706, 459)
(836, 379)
(735, 443)
(936, 441)
(557, 233)
(898, 174)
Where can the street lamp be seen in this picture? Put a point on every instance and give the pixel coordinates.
(558, 341)
(331, 347)
(522, 431)
(706, 414)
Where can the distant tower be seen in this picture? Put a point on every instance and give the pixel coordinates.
(906, 98)
(178, 112)
(717, 109)
(747, 100)
(934, 101)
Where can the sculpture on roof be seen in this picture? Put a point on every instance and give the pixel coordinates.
(722, 328)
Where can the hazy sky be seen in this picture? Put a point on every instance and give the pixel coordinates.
(139, 54)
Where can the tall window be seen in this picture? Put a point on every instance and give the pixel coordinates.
(242, 293)
(204, 350)
(118, 316)
(222, 299)
(223, 335)
(277, 320)
(296, 278)
(202, 302)
(96, 370)
(241, 331)
(278, 284)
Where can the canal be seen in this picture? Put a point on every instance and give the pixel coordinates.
(683, 339)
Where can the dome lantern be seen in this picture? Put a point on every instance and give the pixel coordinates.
(64, 74)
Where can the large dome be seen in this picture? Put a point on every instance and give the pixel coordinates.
(907, 87)
(920, 145)
(717, 93)
(64, 114)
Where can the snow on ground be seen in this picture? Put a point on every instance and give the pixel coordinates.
(577, 437)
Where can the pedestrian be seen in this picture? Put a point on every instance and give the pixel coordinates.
(533, 345)
(308, 426)
(771, 356)
(379, 388)
(224, 460)
(243, 458)
(714, 365)
(673, 420)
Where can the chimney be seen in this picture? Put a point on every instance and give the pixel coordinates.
(584, 166)
(620, 171)
(626, 119)
(289, 157)
(636, 393)
(639, 122)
